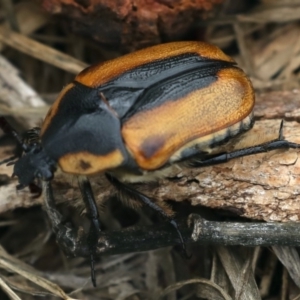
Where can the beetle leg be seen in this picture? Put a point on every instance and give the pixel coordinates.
(68, 239)
(279, 143)
(95, 228)
(129, 192)
(66, 236)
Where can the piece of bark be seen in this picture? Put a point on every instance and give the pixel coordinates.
(127, 25)
(278, 105)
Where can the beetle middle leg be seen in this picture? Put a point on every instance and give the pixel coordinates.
(95, 228)
(130, 192)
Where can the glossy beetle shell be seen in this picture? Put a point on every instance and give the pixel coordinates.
(147, 109)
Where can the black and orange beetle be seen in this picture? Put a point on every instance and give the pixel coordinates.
(133, 117)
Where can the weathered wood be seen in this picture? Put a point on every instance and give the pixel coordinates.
(263, 187)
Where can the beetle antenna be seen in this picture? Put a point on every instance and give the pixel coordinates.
(8, 129)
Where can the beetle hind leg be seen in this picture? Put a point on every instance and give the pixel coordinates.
(129, 192)
(279, 143)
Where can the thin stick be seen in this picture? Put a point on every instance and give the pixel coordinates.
(40, 51)
(203, 232)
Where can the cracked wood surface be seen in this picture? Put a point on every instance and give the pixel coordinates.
(262, 187)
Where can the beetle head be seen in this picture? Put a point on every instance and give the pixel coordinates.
(35, 163)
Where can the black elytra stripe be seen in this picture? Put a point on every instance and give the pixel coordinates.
(176, 87)
(148, 74)
(127, 93)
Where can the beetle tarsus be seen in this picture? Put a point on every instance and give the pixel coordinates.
(92, 242)
(183, 246)
(280, 135)
(93, 275)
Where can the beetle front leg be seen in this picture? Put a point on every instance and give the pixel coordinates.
(66, 236)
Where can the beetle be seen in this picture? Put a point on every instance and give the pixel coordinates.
(134, 117)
